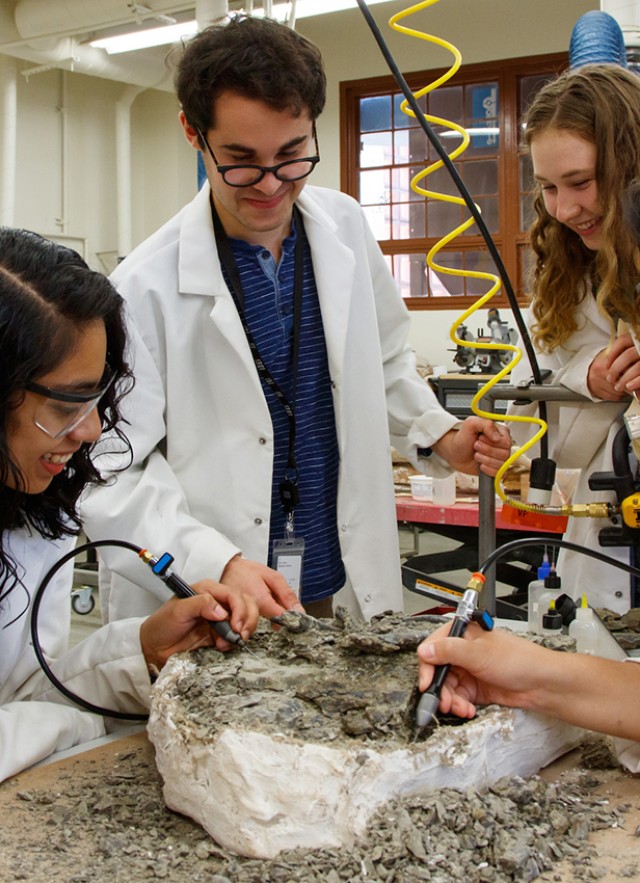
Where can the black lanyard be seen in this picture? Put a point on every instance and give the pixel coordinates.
(289, 494)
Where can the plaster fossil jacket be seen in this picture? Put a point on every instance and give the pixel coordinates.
(200, 483)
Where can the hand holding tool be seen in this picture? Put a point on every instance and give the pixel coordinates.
(466, 611)
(160, 566)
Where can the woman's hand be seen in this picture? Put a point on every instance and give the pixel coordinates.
(486, 668)
(500, 667)
(185, 623)
(615, 371)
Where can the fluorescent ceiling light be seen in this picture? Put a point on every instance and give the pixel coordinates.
(306, 8)
(172, 33)
(144, 39)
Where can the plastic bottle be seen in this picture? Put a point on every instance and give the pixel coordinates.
(551, 620)
(536, 587)
(552, 590)
(584, 629)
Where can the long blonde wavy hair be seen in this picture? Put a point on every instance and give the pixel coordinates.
(601, 104)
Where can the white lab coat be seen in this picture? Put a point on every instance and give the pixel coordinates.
(107, 669)
(200, 483)
(580, 437)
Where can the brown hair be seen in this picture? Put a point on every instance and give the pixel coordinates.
(601, 104)
(256, 58)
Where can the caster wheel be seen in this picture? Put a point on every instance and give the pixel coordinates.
(83, 601)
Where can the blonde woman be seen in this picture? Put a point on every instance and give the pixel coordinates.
(583, 133)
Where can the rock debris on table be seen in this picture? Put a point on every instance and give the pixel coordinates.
(117, 829)
(113, 825)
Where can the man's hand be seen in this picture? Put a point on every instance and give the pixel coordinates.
(478, 444)
(267, 586)
(185, 623)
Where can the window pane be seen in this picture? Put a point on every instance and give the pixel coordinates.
(527, 181)
(375, 150)
(378, 218)
(401, 147)
(446, 102)
(527, 88)
(418, 145)
(441, 181)
(409, 273)
(441, 284)
(401, 183)
(482, 144)
(375, 113)
(488, 206)
(402, 120)
(481, 102)
(407, 220)
(374, 187)
(527, 213)
(442, 218)
(525, 268)
(481, 177)
(478, 262)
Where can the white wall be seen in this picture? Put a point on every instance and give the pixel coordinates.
(164, 175)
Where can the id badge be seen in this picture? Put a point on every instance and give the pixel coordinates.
(287, 560)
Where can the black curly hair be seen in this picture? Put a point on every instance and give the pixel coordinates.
(47, 295)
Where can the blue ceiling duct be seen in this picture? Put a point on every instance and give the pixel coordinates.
(597, 39)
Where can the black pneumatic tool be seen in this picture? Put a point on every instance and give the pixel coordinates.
(466, 612)
(181, 589)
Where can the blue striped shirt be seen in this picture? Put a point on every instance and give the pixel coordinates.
(268, 310)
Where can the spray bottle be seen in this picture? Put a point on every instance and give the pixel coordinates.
(584, 629)
(536, 587)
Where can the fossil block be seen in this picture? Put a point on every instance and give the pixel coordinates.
(298, 743)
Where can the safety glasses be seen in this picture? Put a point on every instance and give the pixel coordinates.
(61, 412)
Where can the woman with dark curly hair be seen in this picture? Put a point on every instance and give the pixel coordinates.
(583, 134)
(62, 374)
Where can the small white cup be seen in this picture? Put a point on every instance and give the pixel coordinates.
(444, 490)
(421, 488)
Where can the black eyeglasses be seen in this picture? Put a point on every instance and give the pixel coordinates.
(248, 175)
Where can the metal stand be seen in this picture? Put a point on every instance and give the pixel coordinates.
(486, 493)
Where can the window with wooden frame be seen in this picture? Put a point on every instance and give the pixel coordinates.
(382, 149)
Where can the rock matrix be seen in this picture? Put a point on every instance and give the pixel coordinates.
(297, 743)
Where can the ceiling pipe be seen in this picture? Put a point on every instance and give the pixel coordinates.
(291, 17)
(61, 220)
(60, 18)
(43, 33)
(208, 11)
(145, 70)
(124, 198)
(44, 49)
(8, 140)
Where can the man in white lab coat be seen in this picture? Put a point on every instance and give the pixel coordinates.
(272, 365)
